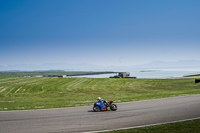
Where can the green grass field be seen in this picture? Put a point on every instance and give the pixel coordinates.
(25, 93)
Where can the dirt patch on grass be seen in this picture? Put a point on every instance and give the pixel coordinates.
(18, 90)
(3, 90)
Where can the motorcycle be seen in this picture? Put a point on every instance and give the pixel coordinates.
(100, 106)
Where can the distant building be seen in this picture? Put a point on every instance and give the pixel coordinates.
(62, 76)
(124, 74)
(38, 75)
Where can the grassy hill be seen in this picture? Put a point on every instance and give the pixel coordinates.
(23, 93)
(47, 73)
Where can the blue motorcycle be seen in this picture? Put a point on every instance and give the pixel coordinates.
(100, 106)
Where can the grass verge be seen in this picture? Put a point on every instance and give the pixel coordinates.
(191, 126)
(25, 93)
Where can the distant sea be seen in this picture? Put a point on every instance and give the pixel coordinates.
(147, 72)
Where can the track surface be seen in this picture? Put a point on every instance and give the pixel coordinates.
(83, 119)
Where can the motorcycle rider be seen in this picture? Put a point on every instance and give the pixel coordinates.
(99, 99)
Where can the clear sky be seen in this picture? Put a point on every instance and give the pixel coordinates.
(99, 32)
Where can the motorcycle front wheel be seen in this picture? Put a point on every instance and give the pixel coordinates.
(96, 109)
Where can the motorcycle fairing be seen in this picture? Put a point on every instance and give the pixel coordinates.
(102, 106)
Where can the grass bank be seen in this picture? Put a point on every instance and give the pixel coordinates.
(24, 93)
(192, 126)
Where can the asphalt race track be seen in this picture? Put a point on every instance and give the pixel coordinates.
(83, 119)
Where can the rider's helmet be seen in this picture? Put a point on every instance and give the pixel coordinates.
(99, 99)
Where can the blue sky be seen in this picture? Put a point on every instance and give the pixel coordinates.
(99, 32)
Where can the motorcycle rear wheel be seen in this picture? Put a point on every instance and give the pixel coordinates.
(113, 107)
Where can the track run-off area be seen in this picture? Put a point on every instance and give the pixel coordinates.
(83, 119)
